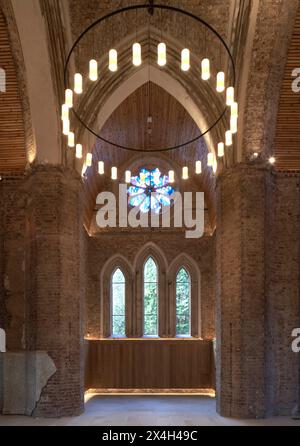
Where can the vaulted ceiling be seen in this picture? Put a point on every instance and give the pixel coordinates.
(171, 124)
(128, 123)
(287, 141)
(61, 21)
(12, 134)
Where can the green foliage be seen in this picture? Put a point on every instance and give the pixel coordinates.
(150, 298)
(183, 287)
(118, 303)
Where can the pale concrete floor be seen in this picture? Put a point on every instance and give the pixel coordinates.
(147, 411)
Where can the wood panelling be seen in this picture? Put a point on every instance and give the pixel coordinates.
(12, 136)
(149, 364)
(287, 142)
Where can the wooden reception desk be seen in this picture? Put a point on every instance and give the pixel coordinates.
(149, 363)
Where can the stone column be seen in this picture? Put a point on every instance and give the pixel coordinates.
(54, 314)
(241, 209)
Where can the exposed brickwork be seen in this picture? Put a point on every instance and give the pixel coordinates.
(55, 297)
(283, 298)
(240, 292)
(257, 292)
(103, 247)
(12, 259)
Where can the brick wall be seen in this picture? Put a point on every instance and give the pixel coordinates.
(257, 292)
(12, 259)
(43, 249)
(102, 248)
(42, 265)
(283, 298)
(55, 299)
(240, 292)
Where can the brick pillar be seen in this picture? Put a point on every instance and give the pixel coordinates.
(241, 203)
(55, 293)
(283, 296)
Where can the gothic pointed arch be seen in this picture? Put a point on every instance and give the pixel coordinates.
(151, 250)
(183, 260)
(105, 311)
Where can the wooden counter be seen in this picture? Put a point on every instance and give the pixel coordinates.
(149, 363)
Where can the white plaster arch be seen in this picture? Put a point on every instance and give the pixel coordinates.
(163, 80)
(44, 111)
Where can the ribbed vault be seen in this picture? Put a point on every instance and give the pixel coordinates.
(12, 132)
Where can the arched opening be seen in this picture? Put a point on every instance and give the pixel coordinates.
(118, 304)
(150, 298)
(183, 303)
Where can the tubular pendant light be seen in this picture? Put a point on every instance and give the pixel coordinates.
(93, 70)
(228, 138)
(66, 127)
(198, 167)
(78, 83)
(234, 110)
(89, 159)
(220, 149)
(136, 54)
(101, 167)
(171, 176)
(229, 96)
(210, 159)
(71, 139)
(69, 98)
(114, 173)
(64, 112)
(185, 59)
(220, 82)
(78, 151)
(113, 60)
(205, 66)
(127, 176)
(161, 54)
(185, 173)
(233, 125)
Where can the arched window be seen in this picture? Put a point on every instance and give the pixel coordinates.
(118, 303)
(183, 303)
(150, 298)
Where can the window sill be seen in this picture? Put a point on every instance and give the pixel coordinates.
(146, 339)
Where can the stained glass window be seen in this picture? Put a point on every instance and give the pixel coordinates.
(150, 298)
(183, 303)
(150, 190)
(118, 303)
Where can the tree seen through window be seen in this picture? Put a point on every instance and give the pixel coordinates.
(183, 303)
(118, 303)
(150, 298)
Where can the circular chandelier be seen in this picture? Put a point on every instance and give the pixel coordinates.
(222, 85)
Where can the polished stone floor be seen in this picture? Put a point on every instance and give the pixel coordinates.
(146, 411)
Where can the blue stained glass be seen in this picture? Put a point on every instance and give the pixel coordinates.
(150, 190)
